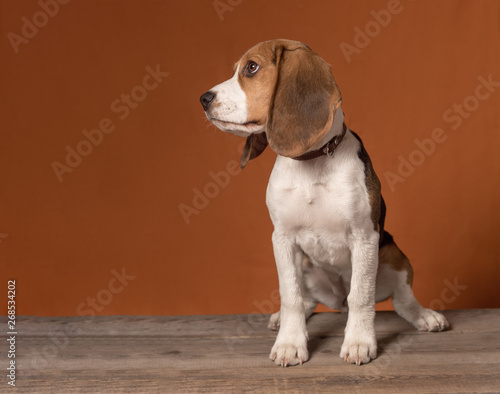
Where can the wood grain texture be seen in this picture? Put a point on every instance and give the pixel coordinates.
(230, 354)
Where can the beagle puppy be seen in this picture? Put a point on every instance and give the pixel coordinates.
(323, 197)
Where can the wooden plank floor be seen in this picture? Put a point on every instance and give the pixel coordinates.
(230, 353)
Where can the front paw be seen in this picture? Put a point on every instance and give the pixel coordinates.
(359, 350)
(287, 353)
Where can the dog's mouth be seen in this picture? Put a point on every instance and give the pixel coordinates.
(237, 128)
(246, 124)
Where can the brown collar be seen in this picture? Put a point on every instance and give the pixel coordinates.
(326, 149)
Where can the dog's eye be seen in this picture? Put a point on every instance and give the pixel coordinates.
(251, 69)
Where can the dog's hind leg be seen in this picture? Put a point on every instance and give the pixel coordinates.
(395, 278)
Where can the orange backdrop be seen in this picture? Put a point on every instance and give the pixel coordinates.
(118, 197)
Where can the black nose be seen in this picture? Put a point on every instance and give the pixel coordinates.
(206, 99)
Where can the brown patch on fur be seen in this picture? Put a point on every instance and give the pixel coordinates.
(258, 88)
(390, 254)
(373, 187)
(305, 98)
(293, 93)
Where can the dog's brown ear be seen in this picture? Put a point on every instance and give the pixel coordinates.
(304, 101)
(254, 146)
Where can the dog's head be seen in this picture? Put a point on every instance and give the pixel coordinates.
(282, 93)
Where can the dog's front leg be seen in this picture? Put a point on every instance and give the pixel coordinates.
(290, 347)
(360, 343)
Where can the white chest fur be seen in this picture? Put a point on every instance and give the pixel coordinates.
(321, 203)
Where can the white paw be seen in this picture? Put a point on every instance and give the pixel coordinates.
(274, 321)
(289, 353)
(430, 320)
(359, 350)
